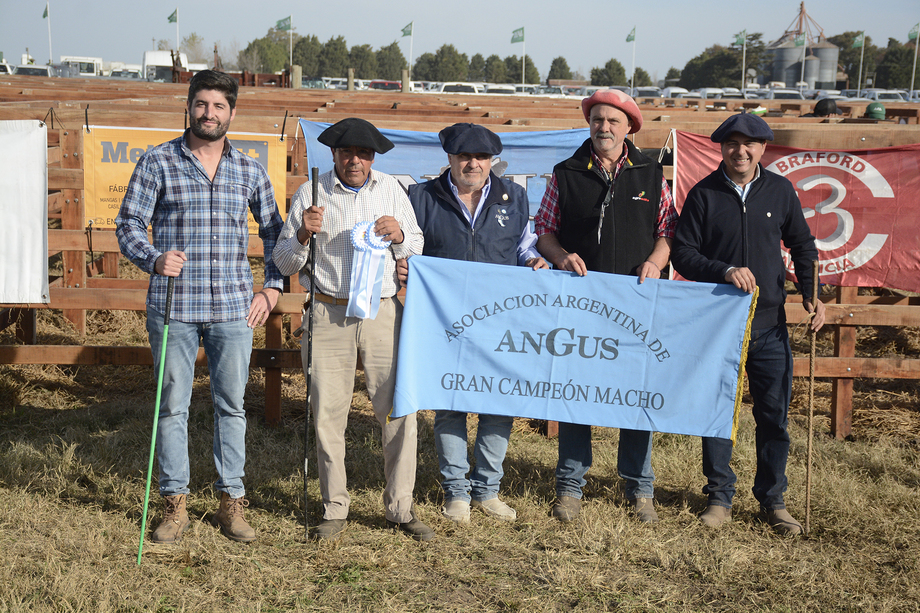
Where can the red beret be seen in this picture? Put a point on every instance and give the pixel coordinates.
(617, 99)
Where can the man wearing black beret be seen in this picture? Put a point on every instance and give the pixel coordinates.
(729, 231)
(351, 195)
(469, 213)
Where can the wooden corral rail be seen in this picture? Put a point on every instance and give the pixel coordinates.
(119, 103)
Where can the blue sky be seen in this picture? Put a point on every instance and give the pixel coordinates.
(668, 32)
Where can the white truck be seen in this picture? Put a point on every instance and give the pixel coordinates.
(84, 66)
(157, 65)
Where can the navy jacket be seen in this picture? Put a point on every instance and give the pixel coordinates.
(716, 231)
(448, 234)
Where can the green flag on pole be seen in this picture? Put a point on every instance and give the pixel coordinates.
(859, 40)
(740, 37)
(283, 24)
(912, 35)
(517, 36)
(407, 31)
(45, 15)
(800, 40)
(632, 35)
(174, 17)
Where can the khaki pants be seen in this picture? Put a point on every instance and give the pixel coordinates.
(336, 341)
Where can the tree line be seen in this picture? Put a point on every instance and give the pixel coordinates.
(715, 66)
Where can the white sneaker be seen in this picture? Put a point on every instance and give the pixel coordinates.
(493, 507)
(457, 511)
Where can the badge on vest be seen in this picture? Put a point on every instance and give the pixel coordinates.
(641, 197)
(501, 217)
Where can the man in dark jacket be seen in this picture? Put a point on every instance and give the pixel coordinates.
(469, 213)
(608, 209)
(730, 231)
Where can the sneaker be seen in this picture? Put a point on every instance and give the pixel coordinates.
(414, 528)
(782, 522)
(566, 508)
(328, 529)
(230, 519)
(644, 510)
(457, 511)
(715, 515)
(493, 507)
(175, 520)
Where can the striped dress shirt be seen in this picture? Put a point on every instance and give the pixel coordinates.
(381, 195)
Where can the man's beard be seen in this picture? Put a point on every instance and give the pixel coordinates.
(212, 135)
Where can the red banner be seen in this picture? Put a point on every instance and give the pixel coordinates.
(862, 205)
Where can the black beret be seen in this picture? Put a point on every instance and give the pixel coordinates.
(355, 132)
(825, 107)
(469, 138)
(745, 123)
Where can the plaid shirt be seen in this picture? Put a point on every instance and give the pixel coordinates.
(549, 217)
(381, 195)
(207, 220)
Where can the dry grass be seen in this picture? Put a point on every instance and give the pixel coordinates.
(73, 453)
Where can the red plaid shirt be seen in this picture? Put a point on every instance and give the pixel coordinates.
(548, 217)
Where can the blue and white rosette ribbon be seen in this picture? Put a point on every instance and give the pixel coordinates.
(366, 271)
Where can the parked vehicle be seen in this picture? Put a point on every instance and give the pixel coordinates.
(459, 87)
(883, 95)
(125, 74)
(36, 71)
(384, 85)
(311, 83)
(501, 88)
(6, 68)
(85, 66)
(645, 92)
(784, 94)
(673, 92)
(158, 65)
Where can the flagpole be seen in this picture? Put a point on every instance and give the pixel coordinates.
(804, 47)
(632, 79)
(913, 72)
(411, 37)
(523, 60)
(50, 55)
(862, 52)
(291, 38)
(177, 35)
(743, 59)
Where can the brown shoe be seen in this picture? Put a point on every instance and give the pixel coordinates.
(782, 522)
(414, 528)
(567, 508)
(715, 515)
(230, 519)
(175, 520)
(644, 510)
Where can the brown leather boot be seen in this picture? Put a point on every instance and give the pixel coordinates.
(230, 519)
(175, 520)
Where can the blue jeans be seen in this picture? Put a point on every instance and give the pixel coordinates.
(228, 347)
(488, 451)
(769, 371)
(634, 461)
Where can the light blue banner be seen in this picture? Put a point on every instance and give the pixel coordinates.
(527, 158)
(602, 349)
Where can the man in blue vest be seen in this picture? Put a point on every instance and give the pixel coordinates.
(608, 209)
(469, 213)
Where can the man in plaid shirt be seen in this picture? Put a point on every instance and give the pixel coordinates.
(196, 192)
(607, 208)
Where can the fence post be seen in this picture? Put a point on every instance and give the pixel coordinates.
(842, 392)
(73, 218)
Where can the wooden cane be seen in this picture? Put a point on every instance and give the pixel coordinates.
(811, 399)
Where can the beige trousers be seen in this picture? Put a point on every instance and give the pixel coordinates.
(336, 342)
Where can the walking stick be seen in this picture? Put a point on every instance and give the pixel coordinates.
(308, 370)
(156, 413)
(811, 400)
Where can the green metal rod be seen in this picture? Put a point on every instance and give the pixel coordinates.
(156, 413)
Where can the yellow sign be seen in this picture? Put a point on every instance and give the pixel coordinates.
(111, 153)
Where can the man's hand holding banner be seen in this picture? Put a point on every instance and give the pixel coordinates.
(603, 349)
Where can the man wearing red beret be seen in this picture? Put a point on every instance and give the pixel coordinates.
(608, 209)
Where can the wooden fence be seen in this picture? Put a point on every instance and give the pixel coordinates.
(95, 285)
